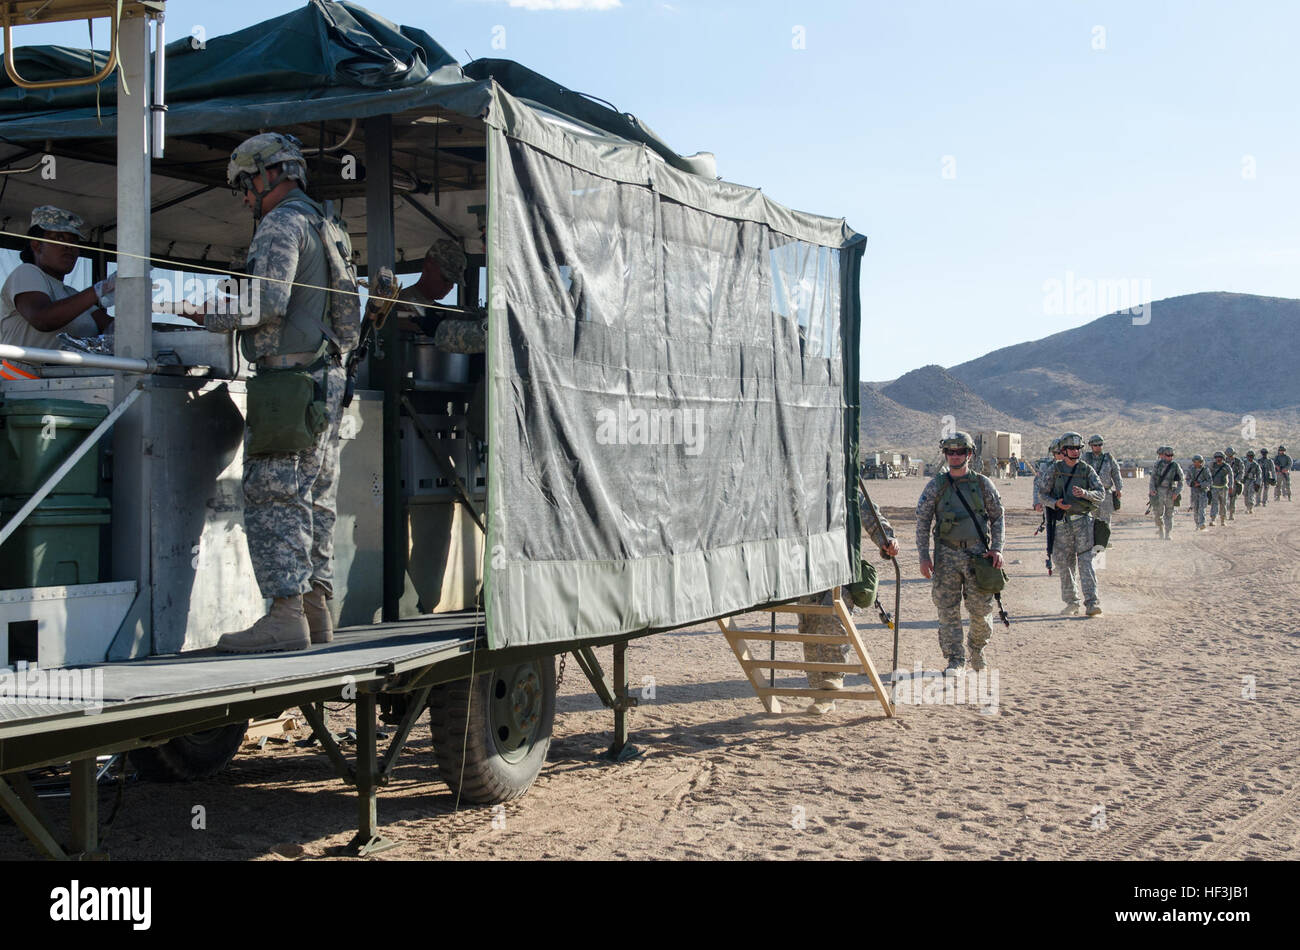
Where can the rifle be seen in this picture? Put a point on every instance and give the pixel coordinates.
(1049, 516)
(382, 297)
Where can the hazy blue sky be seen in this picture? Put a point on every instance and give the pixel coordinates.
(986, 149)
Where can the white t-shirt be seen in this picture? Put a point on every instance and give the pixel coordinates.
(14, 328)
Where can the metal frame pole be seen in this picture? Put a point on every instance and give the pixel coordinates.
(133, 329)
(380, 251)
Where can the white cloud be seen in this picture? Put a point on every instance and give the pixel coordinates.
(566, 4)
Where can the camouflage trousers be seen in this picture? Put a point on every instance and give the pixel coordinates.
(953, 582)
(1106, 510)
(1219, 504)
(289, 506)
(1262, 500)
(1283, 486)
(1250, 495)
(826, 626)
(1232, 502)
(1162, 509)
(1072, 558)
(1199, 501)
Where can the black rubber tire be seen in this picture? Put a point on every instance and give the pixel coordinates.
(190, 758)
(487, 776)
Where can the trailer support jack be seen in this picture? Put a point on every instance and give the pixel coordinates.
(613, 695)
(369, 772)
(19, 799)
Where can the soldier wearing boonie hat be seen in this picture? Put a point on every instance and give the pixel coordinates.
(36, 305)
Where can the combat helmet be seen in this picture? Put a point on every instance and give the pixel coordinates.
(958, 440)
(1072, 440)
(1198, 458)
(1250, 453)
(1096, 440)
(1229, 450)
(1218, 455)
(1281, 448)
(255, 155)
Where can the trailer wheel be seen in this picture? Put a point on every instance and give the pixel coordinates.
(190, 758)
(509, 713)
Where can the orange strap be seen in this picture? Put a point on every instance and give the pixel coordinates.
(10, 371)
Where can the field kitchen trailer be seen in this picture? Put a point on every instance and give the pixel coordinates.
(663, 429)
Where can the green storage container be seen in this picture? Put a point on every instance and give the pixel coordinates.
(36, 435)
(57, 544)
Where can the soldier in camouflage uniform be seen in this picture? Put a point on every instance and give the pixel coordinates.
(1254, 477)
(443, 268)
(1108, 472)
(1282, 462)
(957, 539)
(289, 498)
(1267, 476)
(1198, 480)
(882, 535)
(1075, 491)
(1165, 490)
(1238, 481)
(1221, 485)
(1041, 479)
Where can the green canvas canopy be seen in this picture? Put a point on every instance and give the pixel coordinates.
(672, 359)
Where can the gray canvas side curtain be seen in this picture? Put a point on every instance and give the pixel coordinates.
(667, 391)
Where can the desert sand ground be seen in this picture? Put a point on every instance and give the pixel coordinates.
(1167, 728)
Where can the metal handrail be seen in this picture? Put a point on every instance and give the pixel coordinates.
(113, 14)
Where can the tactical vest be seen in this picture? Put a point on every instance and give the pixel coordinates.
(1199, 478)
(1098, 464)
(1060, 477)
(300, 330)
(1164, 476)
(952, 523)
(1219, 475)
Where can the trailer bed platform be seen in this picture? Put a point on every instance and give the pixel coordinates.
(125, 705)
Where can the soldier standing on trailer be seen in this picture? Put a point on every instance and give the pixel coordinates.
(289, 496)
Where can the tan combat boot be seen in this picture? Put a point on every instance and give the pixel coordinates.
(284, 628)
(317, 609)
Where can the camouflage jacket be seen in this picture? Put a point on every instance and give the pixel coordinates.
(1221, 476)
(286, 249)
(1107, 470)
(1238, 468)
(1266, 468)
(1253, 473)
(1166, 478)
(1282, 461)
(925, 507)
(1198, 479)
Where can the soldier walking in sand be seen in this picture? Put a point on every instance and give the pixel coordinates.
(1165, 489)
(1221, 485)
(1268, 477)
(1198, 480)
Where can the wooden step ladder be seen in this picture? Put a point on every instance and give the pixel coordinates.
(769, 696)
